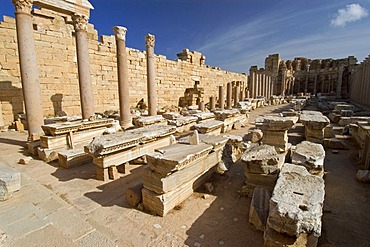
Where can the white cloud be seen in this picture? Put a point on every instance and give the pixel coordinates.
(351, 13)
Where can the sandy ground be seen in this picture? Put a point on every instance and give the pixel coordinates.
(78, 210)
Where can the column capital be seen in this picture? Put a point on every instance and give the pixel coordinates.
(149, 40)
(80, 22)
(120, 32)
(23, 6)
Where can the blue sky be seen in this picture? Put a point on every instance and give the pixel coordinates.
(235, 34)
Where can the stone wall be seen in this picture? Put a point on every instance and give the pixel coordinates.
(360, 86)
(57, 63)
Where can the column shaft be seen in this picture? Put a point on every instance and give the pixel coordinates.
(151, 85)
(123, 82)
(221, 97)
(28, 68)
(229, 95)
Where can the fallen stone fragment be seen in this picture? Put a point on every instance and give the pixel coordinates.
(295, 208)
(209, 187)
(25, 160)
(335, 143)
(363, 176)
(254, 136)
(10, 181)
(259, 208)
(311, 156)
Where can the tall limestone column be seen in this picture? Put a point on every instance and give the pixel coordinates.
(212, 104)
(229, 90)
(283, 82)
(237, 94)
(253, 84)
(28, 67)
(83, 62)
(339, 83)
(123, 82)
(315, 85)
(306, 82)
(150, 69)
(221, 97)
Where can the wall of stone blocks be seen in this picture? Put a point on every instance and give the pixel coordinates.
(360, 83)
(57, 63)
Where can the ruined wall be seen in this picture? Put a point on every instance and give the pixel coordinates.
(360, 83)
(57, 62)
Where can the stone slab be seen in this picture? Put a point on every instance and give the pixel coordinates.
(183, 120)
(149, 120)
(259, 209)
(10, 181)
(209, 126)
(276, 123)
(175, 157)
(311, 156)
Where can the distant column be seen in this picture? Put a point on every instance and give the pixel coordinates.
(306, 82)
(260, 85)
(212, 103)
(274, 89)
(283, 82)
(229, 95)
(221, 97)
(83, 62)
(242, 94)
(323, 84)
(293, 85)
(315, 85)
(253, 85)
(28, 67)
(201, 105)
(329, 88)
(150, 68)
(123, 82)
(236, 96)
(339, 83)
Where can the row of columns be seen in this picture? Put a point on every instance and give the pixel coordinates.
(30, 77)
(360, 78)
(261, 85)
(239, 95)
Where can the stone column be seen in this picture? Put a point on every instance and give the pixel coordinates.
(283, 82)
(315, 85)
(201, 105)
(237, 94)
(306, 82)
(299, 84)
(253, 85)
(260, 85)
(150, 68)
(123, 82)
(221, 97)
(242, 94)
(339, 83)
(229, 95)
(293, 85)
(329, 88)
(83, 62)
(274, 89)
(323, 84)
(28, 68)
(212, 103)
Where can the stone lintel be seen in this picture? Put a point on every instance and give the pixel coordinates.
(71, 7)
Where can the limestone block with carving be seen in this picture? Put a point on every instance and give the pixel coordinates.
(275, 123)
(311, 156)
(261, 160)
(254, 136)
(295, 208)
(10, 181)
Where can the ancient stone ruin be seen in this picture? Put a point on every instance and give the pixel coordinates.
(153, 135)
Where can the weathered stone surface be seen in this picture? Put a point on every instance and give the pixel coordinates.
(311, 156)
(183, 120)
(222, 115)
(10, 181)
(67, 127)
(334, 117)
(339, 107)
(171, 115)
(275, 123)
(149, 120)
(363, 176)
(194, 138)
(335, 143)
(261, 160)
(211, 126)
(274, 239)
(130, 138)
(176, 157)
(296, 203)
(259, 209)
(204, 115)
(314, 120)
(278, 139)
(254, 136)
(346, 113)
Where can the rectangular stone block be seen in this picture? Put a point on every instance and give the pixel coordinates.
(10, 181)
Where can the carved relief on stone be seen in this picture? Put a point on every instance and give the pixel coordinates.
(149, 40)
(80, 22)
(23, 6)
(120, 32)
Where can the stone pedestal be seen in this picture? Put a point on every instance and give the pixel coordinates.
(314, 123)
(296, 208)
(275, 131)
(83, 61)
(123, 82)
(28, 67)
(151, 85)
(311, 156)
